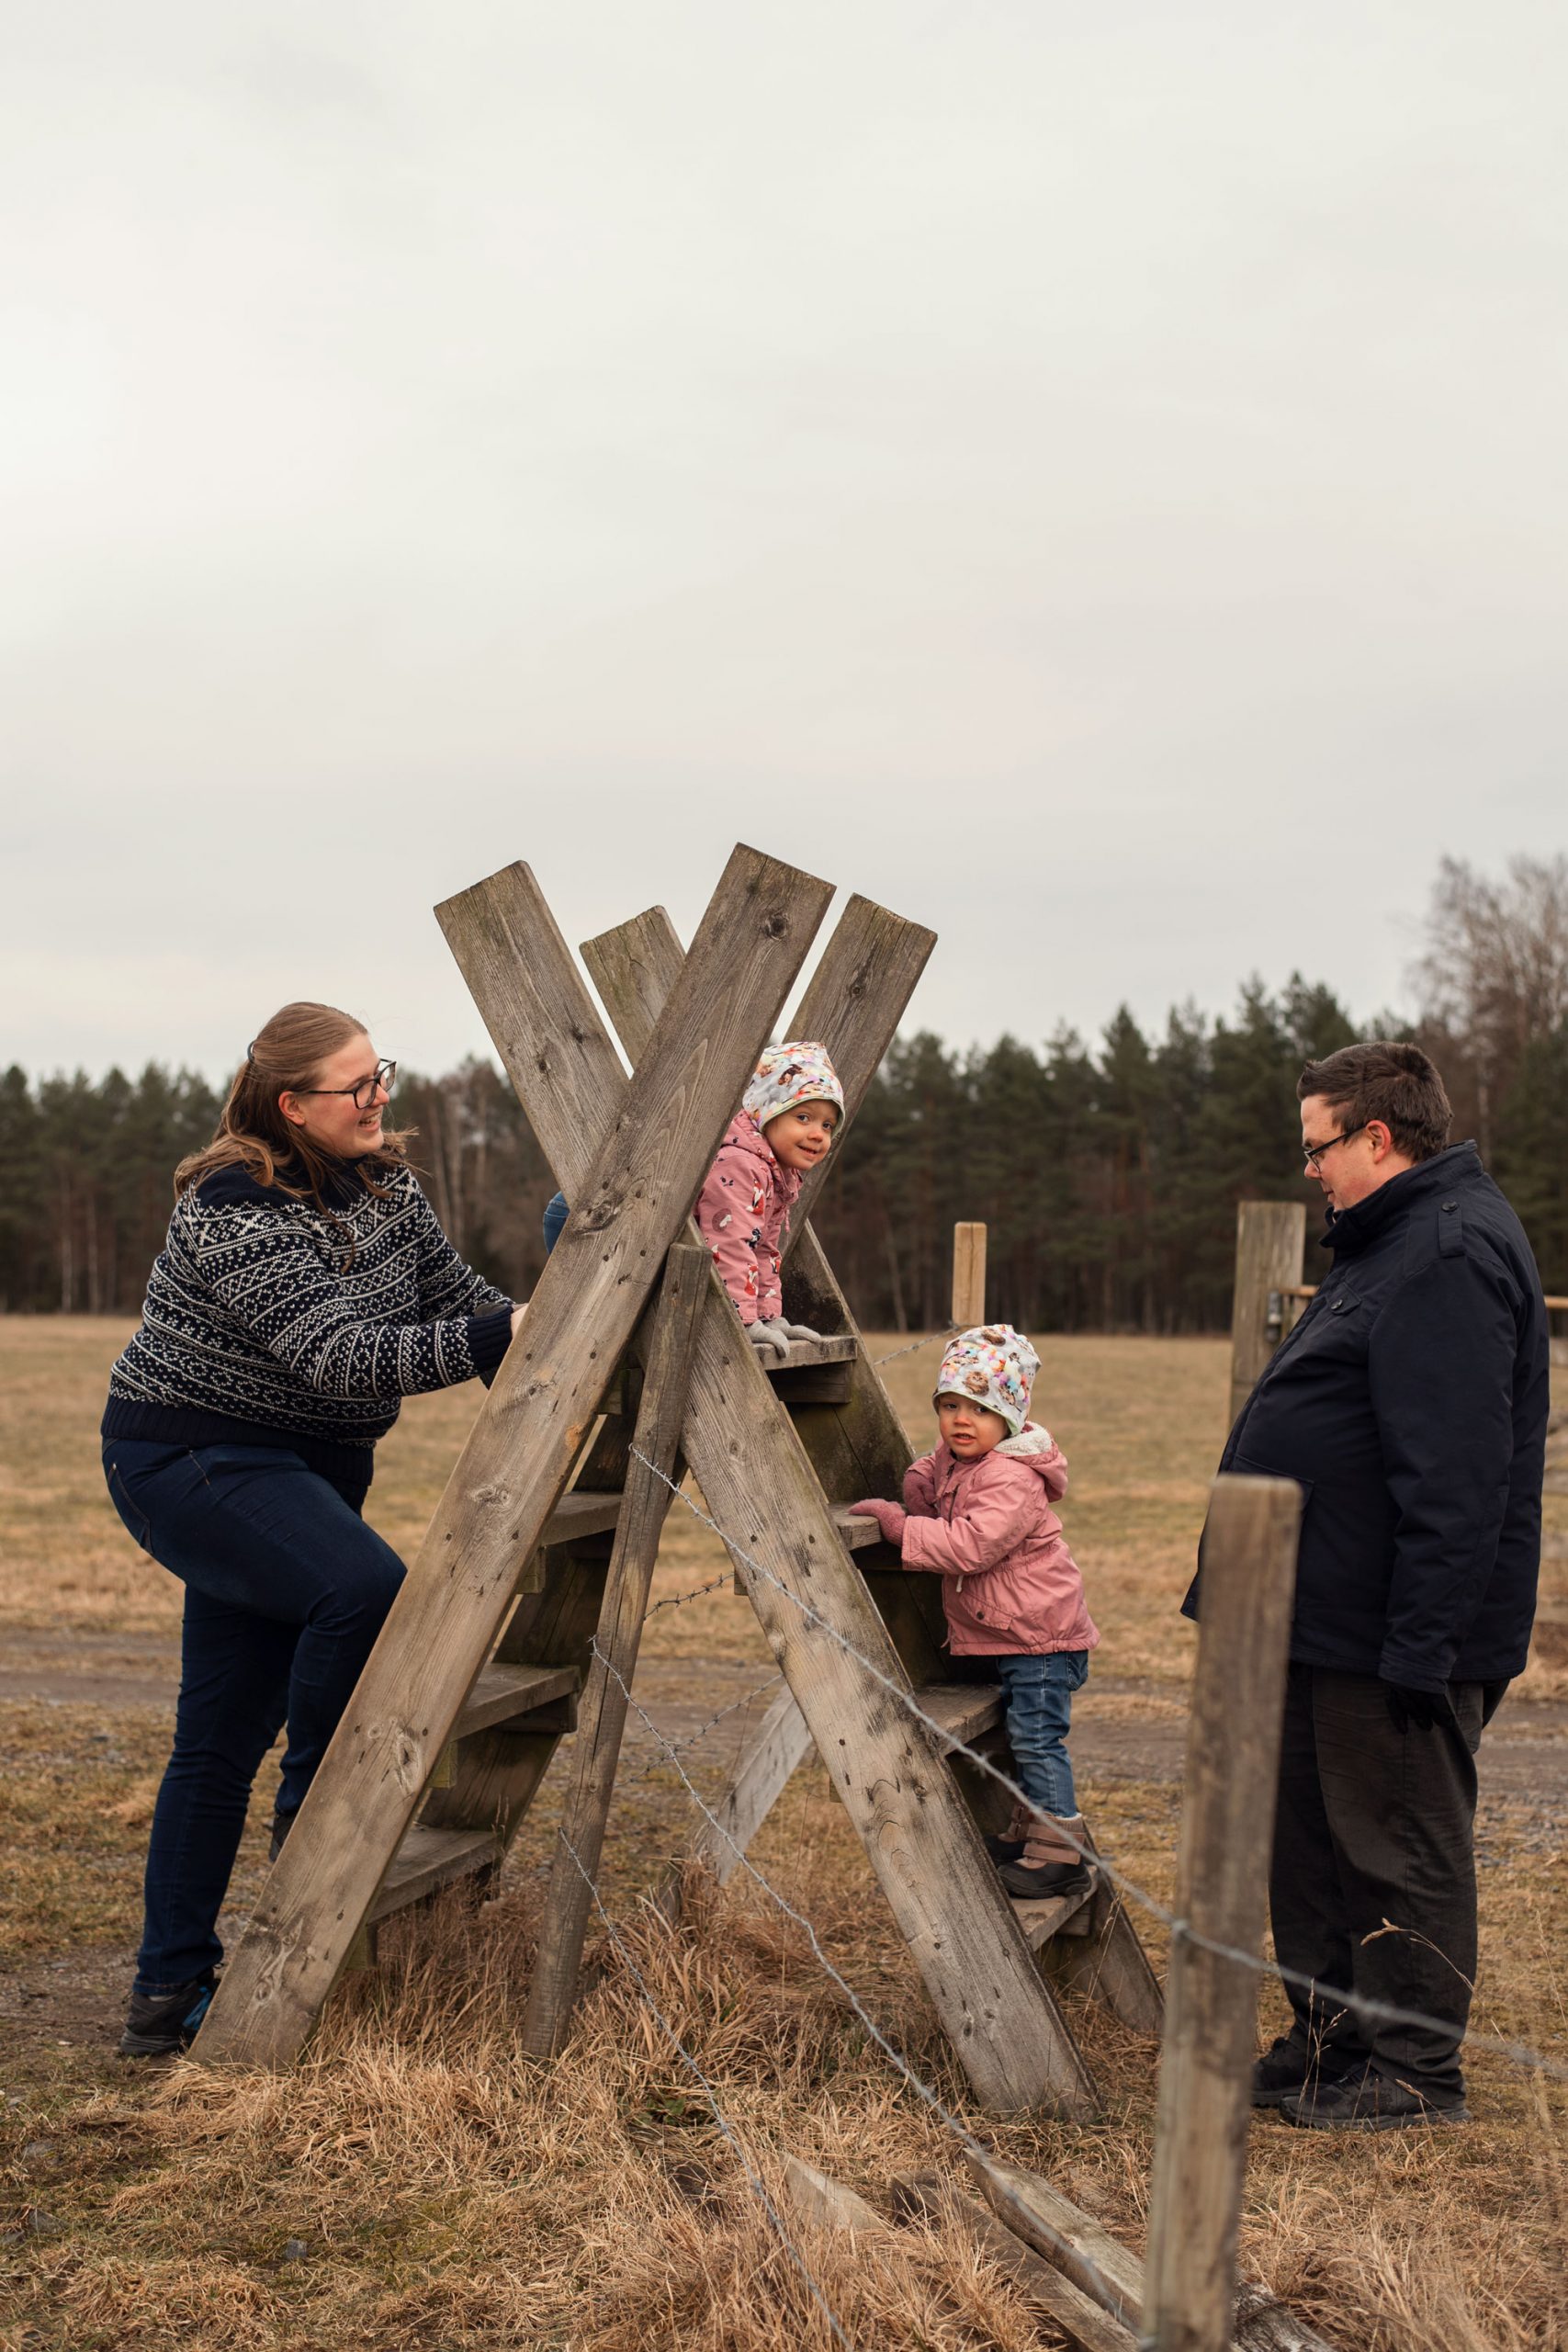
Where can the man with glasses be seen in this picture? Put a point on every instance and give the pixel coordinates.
(1410, 1404)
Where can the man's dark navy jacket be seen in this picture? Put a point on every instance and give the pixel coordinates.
(1410, 1405)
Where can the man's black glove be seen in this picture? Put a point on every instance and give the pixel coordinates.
(1422, 1708)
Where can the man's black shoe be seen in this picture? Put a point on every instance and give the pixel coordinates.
(160, 2025)
(1289, 2066)
(1370, 2102)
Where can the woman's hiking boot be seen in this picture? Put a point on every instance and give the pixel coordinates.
(1051, 1863)
(160, 2025)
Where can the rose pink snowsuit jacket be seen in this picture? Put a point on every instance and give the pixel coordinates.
(1009, 1586)
(744, 1214)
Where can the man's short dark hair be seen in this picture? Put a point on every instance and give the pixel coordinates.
(1398, 1084)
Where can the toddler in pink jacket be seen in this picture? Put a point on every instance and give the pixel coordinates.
(785, 1126)
(979, 1512)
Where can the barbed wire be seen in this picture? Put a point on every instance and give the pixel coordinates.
(685, 1745)
(927, 1339)
(1362, 2005)
(679, 1600)
(754, 2182)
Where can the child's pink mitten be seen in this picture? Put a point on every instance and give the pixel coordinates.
(889, 1518)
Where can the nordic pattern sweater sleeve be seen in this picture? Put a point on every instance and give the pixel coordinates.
(264, 1266)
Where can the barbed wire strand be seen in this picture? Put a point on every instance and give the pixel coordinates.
(684, 1746)
(927, 1339)
(757, 2187)
(1380, 2012)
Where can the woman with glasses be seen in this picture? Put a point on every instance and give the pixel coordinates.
(304, 1290)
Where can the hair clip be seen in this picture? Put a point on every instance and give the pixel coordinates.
(250, 1051)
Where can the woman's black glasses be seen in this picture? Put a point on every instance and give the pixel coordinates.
(384, 1076)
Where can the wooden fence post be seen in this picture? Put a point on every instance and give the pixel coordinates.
(968, 1275)
(1227, 1822)
(1271, 1237)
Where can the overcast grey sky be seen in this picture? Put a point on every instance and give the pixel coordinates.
(1091, 478)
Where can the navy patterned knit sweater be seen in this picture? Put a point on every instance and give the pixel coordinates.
(264, 1326)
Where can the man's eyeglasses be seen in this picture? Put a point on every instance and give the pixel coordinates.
(383, 1077)
(1311, 1155)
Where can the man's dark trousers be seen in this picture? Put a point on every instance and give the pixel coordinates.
(1373, 1884)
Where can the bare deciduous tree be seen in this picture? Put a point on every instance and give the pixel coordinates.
(1494, 974)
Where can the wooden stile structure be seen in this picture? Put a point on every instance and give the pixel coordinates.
(531, 1584)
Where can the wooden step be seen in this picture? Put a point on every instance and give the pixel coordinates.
(1064, 1915)
(841, 1348)
(579, 1514)
(500, 1693)
(429, 1859)
(857, 1533)
(963, 1709)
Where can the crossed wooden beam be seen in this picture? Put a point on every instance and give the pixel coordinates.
(631, 1155)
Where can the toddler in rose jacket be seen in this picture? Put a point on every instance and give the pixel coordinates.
(979, 1512)
(785, 1126)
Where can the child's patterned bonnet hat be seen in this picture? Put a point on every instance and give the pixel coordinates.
(993, 1366)
(790, 1074)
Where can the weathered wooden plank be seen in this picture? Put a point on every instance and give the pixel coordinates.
(1222, 1880)
(1080, 2319)
(1110, 2273)
(634, 1186)
(581, 1512)
(553, 1987)
(820, 2203)
(968, 1275)
(1270, 1237)
(963, 1709)
(427, 1861)
(1064, 1915)
(502, 1692)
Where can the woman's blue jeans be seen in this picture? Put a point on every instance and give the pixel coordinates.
(1038, 1692)
(286, 1591)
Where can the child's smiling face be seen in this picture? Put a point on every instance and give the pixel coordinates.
(799, 1136)
(968, 1431)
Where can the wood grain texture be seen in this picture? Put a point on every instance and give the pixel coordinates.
(1222, 1875)
(634, 1186)
(1080, 2319)
(1271, 1237)
(552, 1987)
(968, 1275)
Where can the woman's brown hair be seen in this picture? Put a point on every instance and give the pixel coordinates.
(285, 1056)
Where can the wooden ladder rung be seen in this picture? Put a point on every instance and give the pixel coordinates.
(963, 1709)
(857, 1533)
(841, 1348)
(1062, 1915)
(429, 1859)
(592, 1512)
(500, 1692)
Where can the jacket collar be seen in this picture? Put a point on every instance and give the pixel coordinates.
(1349, 1232)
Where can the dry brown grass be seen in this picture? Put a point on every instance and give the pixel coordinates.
(449, 2193)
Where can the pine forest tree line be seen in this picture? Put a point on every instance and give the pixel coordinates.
(1107, 1175)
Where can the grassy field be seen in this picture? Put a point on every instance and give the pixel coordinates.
(418, 2183)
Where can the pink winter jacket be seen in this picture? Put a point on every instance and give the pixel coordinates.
(1010, 1584)
(744, 1214)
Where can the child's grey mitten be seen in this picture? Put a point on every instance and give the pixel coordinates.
(770, 1341)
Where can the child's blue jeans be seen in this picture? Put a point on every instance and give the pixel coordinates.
(1038, 1692)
